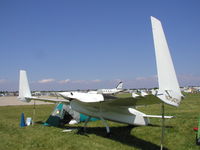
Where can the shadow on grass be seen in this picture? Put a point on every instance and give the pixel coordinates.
(43, 123)
(155, 125)
(39, 122)
(122, 135)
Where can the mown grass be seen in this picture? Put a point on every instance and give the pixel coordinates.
(179, 134)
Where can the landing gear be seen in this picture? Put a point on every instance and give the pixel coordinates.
(108, 134)
(86, 122)
(82, 130)
(107, 127)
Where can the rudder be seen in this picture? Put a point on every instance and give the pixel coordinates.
(24, 90)
(169, 90)
(120, 85)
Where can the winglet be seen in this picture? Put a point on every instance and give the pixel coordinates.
(24, 90)
(169, 90)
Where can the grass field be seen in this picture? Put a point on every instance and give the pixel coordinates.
(179, 134)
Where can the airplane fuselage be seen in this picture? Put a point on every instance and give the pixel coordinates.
(116, 114)
(109, 91)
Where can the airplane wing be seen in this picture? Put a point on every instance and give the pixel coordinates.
(128, 100)
(28, 99)
(114, 100)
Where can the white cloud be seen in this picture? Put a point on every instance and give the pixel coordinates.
(140, 78)
(79, 81)
(96, 81)
(50, 80)
(189, 80)
(64, 81)
(85, 81)
(3, 81)
(146, 78)
(117, 80)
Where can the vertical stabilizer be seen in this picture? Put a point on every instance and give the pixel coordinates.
(24, 90)
(120, 85)
(169, 90)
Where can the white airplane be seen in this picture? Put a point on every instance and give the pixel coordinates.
(113, 91)
(122, 109)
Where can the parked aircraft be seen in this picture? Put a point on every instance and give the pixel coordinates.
(117, 108)
(113, 91)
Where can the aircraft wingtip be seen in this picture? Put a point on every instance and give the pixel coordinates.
(22, 70)
(154, 19)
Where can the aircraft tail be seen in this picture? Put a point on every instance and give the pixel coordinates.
(169, 90)
(120, 85)
(24, 90)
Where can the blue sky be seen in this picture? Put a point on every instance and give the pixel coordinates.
(93, 44)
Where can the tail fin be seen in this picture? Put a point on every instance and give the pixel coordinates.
(169, 90)
(24, 90)
(120, 85)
